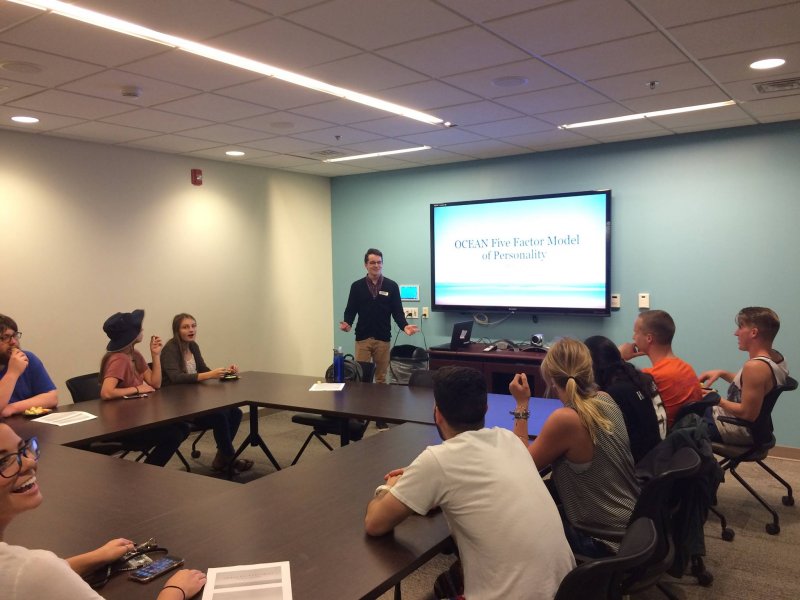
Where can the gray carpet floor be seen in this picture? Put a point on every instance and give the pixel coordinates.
(754, 565)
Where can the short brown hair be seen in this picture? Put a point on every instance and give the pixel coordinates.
(7, 323)
(764, 319)
(374, 251)
(659, 324)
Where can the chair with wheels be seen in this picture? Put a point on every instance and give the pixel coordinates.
(87, 387)
(323, 425)
(601, 578)
(761, 431)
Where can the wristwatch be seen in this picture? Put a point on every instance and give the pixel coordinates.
(381, 488)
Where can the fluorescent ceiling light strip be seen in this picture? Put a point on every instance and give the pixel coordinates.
(127, 28)
(648, 115)
(374, 154)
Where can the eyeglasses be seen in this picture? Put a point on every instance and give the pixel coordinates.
(8, 337)
(375, 262)
(10, 464)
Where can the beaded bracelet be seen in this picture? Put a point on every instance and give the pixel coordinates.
(518, 416)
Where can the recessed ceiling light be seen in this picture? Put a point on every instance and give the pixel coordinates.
(767, 63)
(374, 154)
(18, 66)
(25, 119)
(235, 153)
(510, 81)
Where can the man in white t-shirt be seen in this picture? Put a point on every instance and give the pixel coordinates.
(503, 519)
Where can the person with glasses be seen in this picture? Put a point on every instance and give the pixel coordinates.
(24, 382)
(374, 299)
(125, 372)
(182, 362)
(27, 574)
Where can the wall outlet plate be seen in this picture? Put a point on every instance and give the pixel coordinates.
(616, 300)
(411, 312)
(644, 300)
(425, 312)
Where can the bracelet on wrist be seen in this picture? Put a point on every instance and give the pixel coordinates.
(175, 587)
(137, 389)
(520, 415)
(381, 488)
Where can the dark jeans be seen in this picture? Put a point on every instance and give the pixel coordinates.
(580, 542)
(160, 442)
(225, 424)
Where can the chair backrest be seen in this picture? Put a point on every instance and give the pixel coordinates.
(762, 427)
(600, 579)
(421, 378)
(84, 387)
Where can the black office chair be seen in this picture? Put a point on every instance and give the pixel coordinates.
(601, 578)
(87, 387)
(323, 425)
(763, 437)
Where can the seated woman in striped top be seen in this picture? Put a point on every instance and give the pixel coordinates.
(586, 444)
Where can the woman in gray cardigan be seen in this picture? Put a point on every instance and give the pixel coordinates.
(182, 362)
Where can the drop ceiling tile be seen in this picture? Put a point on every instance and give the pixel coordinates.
(539, 76)
(748, 31)
(274, 93)
(711, 126)
(330, 169)
(11, 90)
(156, 120)
(639, 135)
(638, 53)
(478, 112)
(347, 135)
(605, 110)
(282, 123)
(279, 161)
(80, 41)
(570, 25)
(427, 95)
(544, 101)
(745, 91)
(704, 95)
(481, 11)
(109, 84)
(340, 111)
(285, 145)
(487, 149)
(55, 70)
(395, 126)
(47, 121)
(381, 145)
(279, 7)
(680, 12)
(442, 137)
(507, 127)
(73, 105)
(171, 143)
(184, 18)
(104, 132)
(635, 85)
(224, 134)
(768, 108)
(186, 69)
(283, 44)
(364, 73)
(736, 67)
(779, 118)
(437, 156)
(454, 52)
(623, 131)
(555, 138)
(219, 154)
(11, 14)
(211, 107)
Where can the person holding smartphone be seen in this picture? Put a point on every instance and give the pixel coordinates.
(25, 573)
(182, 362)
(125, 372)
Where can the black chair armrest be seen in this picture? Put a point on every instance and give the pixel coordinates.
(613, 535)
(698, 408)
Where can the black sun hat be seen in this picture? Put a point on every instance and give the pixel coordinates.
(123, 328)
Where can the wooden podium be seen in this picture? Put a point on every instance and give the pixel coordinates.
(498, 366)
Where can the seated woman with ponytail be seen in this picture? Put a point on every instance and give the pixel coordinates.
(585, 443)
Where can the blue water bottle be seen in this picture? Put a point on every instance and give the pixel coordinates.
(338, 365)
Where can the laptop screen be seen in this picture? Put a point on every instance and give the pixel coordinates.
(462, 333)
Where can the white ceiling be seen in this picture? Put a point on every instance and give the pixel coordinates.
(582, 59)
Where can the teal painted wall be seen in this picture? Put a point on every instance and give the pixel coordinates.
(706, 223)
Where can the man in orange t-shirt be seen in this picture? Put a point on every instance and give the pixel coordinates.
(675, 378)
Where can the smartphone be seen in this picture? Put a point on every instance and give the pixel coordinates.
(140, 395)
(155, 569)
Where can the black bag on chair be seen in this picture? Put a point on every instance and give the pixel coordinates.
(352, 370)
(404, 359)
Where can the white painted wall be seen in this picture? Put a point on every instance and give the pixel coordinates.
(89, 230)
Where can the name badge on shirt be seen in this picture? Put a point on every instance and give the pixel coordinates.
(382, 293)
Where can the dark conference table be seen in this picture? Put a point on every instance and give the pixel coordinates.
(311, 515)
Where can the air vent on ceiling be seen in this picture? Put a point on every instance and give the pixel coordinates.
(329, 153)
(781, 85)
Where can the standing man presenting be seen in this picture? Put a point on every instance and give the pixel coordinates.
(374, 299)
(24, 382)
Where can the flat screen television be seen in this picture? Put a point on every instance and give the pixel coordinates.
(537, 254)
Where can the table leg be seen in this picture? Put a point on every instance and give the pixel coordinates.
(254, 439)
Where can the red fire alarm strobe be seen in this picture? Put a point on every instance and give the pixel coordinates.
(197, 177)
